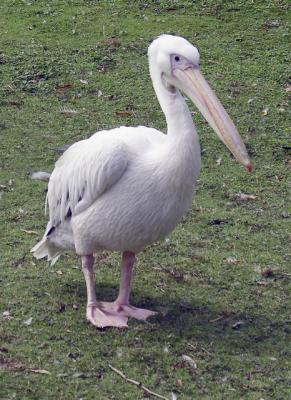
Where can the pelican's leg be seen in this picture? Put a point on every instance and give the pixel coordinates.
(121, 305)
(94, 314)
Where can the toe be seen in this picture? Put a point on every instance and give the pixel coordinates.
(138, 313)
(101, 319)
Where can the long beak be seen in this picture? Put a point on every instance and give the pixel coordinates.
(193, 84)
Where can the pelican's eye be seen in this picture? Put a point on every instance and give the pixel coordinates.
(181, 62)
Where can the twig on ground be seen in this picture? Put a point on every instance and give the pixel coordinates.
(136, 383)
(216, 319)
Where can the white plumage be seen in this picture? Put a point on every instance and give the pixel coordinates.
(128, 187)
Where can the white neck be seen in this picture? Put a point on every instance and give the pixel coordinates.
(180, 127)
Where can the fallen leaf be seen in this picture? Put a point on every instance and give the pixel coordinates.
(179, 383)
(95, 92)
(285, 214)
(271, 24)
(236, 326)
(189, 361)
(40, 371)
(264, 283)
(59, 272)
(232, 260)
(265, 111)
(78, 375)
(244, 197)
(111, 97)
(43, 345)
(65, 86)
(67, 110)
(84, 81)
(223, 379)
(119, 353)
(123, 113)
(40, 175)
(166, 349)
(6, 314)
(268, 273)
(29, 232)
(176, 274)
(110, 42)
(28, 321)
(16, 104)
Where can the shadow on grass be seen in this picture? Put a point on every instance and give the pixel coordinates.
(235, 332)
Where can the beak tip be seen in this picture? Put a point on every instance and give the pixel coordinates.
(249, 167)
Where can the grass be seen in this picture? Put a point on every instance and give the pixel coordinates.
(221, 280)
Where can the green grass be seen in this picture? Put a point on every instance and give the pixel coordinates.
(47, 48)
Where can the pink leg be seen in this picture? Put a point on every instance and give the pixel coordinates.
(127, 263)
(121, 305)
(94, 314)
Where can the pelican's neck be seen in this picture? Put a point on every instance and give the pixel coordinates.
(180, 127)
(182, 148)
(183, 143)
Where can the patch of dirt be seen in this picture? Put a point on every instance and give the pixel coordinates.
(7, 364)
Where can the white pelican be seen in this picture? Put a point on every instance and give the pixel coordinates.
(128, 187)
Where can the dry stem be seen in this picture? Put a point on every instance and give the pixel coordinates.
(136, 383)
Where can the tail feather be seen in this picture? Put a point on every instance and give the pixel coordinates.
(45, 248)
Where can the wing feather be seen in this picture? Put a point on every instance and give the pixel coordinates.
(84, 172)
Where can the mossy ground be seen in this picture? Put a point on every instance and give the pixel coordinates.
(220, 281)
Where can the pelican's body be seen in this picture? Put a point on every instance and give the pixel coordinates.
(153, 187)
(125, 188)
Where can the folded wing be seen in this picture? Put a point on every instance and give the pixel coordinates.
(83, 173)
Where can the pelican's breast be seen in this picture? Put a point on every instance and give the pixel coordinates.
(144, 206)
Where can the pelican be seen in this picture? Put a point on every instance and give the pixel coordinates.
(125, 188)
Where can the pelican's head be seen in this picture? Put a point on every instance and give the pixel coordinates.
(177, 63)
